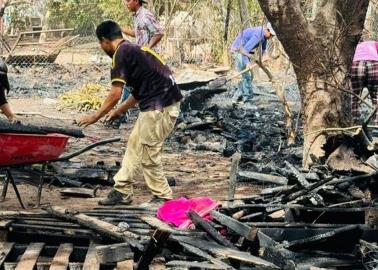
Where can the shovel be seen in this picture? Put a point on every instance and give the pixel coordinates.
(218, 83)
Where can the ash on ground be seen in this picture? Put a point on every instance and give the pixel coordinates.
(256, 129)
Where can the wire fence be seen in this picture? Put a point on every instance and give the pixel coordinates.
(42, 48)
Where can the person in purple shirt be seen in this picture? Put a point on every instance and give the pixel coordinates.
(364, 73)
(242, 50)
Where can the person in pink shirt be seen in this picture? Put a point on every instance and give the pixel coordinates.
(364, 73)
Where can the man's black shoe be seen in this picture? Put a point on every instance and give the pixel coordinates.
(115, 197)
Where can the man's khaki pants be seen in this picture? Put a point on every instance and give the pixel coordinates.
(144, 150)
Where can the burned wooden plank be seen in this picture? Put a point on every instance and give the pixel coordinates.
(190, 265)
(104, 215)
(233, 176)
(44, 228)
(272, 191)
(102, 227)
(114, 253)
(65, 181)
(298, 175)
(328, 263)
(86, 173)
(121, 211)
(321, 237)
(123, 208)
(329, 180)
(273, 252)
(79, 192)
(158, 224)
(18, 214)
(62, 256)
(236, 226)
(157, 241)
(224, 252)
(201, 223)
(91, 262)
(263, 178)
(294, 225)
(39, 219)
(30, 257)
(253, 215)
(275, 207)
(205, 255)
(125, 265)
(5, 248)
(43, 222)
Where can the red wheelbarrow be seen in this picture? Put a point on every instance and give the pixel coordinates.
(26, 149)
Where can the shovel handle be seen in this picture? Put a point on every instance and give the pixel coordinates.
(242, 72)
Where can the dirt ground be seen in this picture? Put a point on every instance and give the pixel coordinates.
(197, 173)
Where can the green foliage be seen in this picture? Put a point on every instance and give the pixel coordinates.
(18, 20)
(85, 15)
(255, 12)
(115, 10)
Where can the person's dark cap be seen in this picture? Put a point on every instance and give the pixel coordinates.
(4, 75)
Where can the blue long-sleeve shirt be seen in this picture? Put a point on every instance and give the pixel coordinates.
(249, 40)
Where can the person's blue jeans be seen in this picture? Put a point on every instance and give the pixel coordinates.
(245, 90)
(125, 96)
(125, 93)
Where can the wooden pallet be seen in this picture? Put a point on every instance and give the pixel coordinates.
(65, 256)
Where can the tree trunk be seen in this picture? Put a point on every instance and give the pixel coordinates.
(321, 52)
(371, 23)
(225, 34)
(45, 26)
(243, 8)
(227, 21)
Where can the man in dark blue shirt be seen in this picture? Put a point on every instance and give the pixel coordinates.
(242, 48)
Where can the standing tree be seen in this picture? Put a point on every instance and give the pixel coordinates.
(371, 23)
(321, 51)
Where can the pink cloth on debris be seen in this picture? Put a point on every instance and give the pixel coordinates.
(174, 211)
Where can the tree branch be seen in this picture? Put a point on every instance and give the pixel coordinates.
(325, 14)
(292, 28)
(350, 20)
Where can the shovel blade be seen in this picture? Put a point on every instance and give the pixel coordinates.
(218, 83)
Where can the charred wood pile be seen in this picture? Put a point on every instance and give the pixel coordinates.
(324, 217)
(308, 220)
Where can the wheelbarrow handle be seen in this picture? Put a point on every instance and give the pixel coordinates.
(87, 148)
